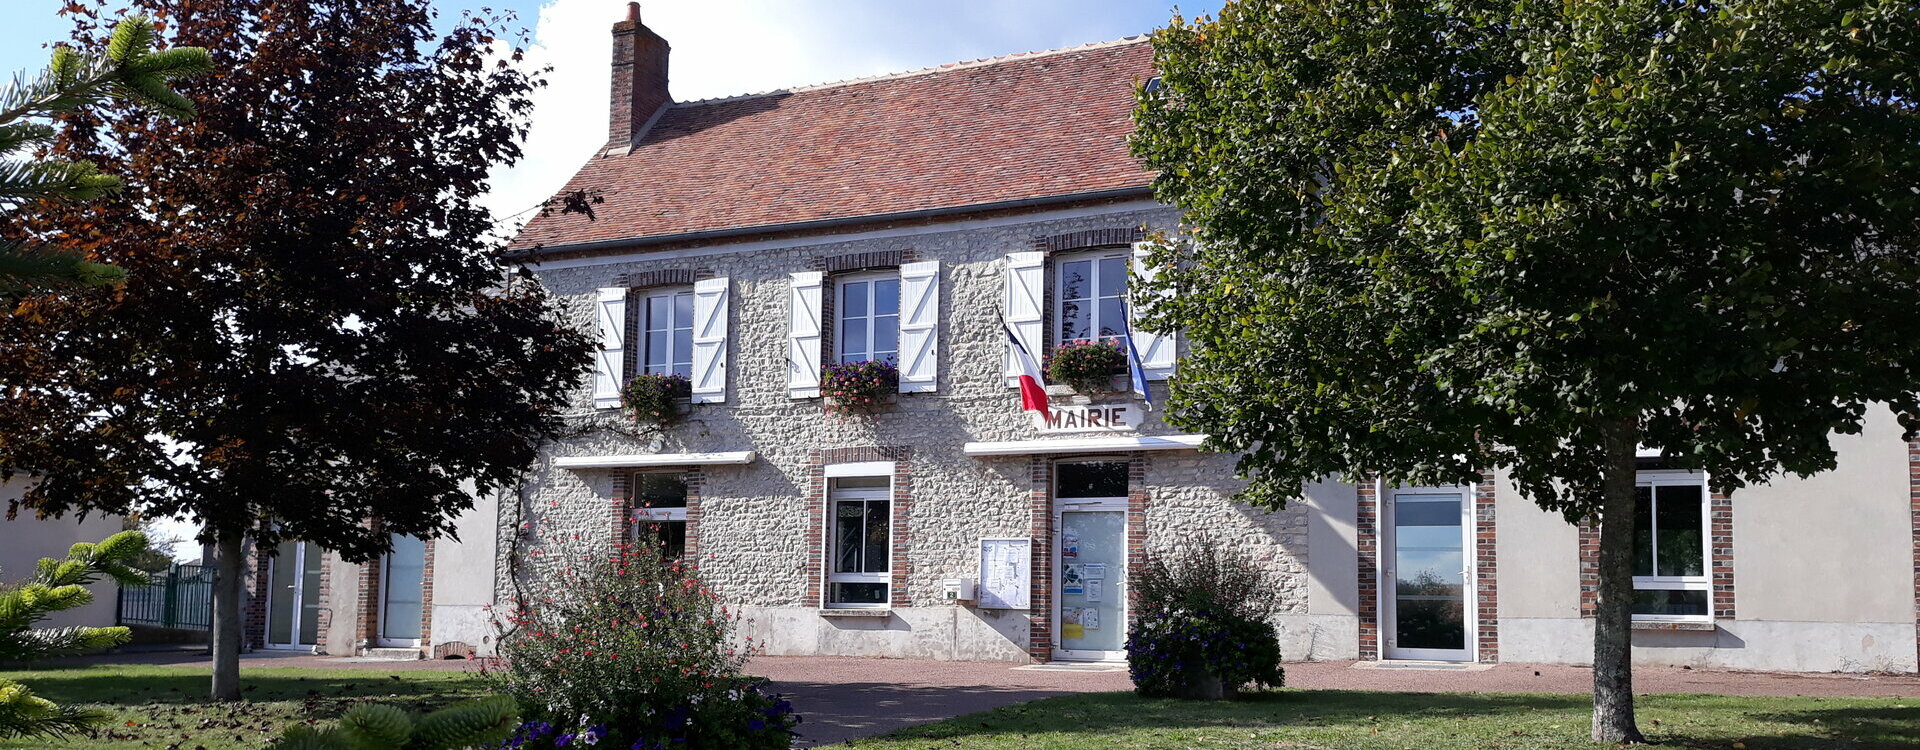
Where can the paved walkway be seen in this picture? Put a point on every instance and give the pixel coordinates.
(843, 698)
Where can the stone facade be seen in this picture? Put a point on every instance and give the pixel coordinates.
(756, 535)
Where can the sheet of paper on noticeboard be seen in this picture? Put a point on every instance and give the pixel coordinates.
(1006, 573)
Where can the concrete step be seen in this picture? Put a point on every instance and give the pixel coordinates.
(395, 654)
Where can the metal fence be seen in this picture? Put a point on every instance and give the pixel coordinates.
(182, 598)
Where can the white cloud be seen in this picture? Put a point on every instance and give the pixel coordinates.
(729, 47)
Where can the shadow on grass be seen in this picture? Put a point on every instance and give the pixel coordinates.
(140, 685)
(1444, 720)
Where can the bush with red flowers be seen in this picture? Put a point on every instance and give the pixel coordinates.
(1087, 366)
(656, 398)
(859, 387)
(633, 650)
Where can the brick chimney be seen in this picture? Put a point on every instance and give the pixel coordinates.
(639, 77)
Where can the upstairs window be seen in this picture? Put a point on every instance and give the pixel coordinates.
(868, 307)
(1670, 571)
(1090, 293)
(666, 332)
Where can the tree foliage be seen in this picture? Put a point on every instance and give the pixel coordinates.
(127, 68)
(315, 340)
(1435, 239)
(57, 586)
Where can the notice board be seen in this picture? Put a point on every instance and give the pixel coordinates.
(1006, 573)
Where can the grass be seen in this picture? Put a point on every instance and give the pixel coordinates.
(1303, 719)
(165, 708)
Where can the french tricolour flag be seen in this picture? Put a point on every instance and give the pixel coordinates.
(1033, 395)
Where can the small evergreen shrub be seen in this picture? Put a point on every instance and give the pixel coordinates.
(1087, 367)
(1202, 629)
(481, 722)
(655, 399)
(631, 650)
(859, 387)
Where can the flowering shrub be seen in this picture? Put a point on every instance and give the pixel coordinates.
(1201, 629)
(1087, 366)
(656, 398)
(859, 387)
(633, 651)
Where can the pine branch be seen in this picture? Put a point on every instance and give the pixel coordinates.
(23, 714)
(38, 266)
(52, 180)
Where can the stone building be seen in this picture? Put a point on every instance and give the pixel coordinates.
(929, 218)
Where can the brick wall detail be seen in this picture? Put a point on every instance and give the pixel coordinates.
(1486, 565)
(1040, 600)
(1366, 541)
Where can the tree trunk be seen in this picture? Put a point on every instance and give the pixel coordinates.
(1613, 720)
(229, 595)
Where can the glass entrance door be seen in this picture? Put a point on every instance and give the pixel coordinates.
(293, 596)
(401, 592)
(1090, 560)
(1424, 608)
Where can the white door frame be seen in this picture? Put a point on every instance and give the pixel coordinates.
(298, 604)
(1386, 589)
(1086, 505)
(386, 588)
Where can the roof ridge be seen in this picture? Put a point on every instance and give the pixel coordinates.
(941, 68)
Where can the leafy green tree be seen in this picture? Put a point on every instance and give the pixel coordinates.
(57, 586)
(128, 69)
(1431, 240)
(315, 340)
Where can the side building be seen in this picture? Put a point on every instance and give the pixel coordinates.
(931, 219)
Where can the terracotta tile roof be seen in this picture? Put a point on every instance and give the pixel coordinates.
(1019, 127)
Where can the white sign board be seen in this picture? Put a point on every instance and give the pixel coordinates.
(1088, 418)
(1006, 573)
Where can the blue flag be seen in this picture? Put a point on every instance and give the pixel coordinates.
(1136, 373)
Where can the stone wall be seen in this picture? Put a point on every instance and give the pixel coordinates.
(752, 534)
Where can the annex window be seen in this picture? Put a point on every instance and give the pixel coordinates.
(1090, 294)
(1670, 578)
(666, 332)
(660, 511)
(868, 308)
(861, 518)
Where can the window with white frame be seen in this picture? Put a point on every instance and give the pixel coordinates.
(1670, 571)
(666, 332)
(660, 511)
(1090, 295)
(868, 308)
(861, 519)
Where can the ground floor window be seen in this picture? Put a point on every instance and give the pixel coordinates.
(660, 510)
(860, 511)
(1670, 580)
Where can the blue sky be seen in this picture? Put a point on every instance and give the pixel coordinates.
(720, 48)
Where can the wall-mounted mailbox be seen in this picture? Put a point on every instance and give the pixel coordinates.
(959, 589)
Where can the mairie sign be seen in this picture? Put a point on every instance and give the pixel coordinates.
(1088, 418)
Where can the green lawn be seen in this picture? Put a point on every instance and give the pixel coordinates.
(1302, 719)
(157, 708)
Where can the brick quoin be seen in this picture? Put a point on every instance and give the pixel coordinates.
(1913, 499)
(1136, 527)
(1040, 603)
(1366, 542)
(426, 599)
(1486, 586)
(258, 586)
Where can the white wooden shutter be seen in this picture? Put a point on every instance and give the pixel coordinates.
(920, 327)
(1156, 349)
(1026, 294)
(710, 341)
(610, 310)
(803, 335)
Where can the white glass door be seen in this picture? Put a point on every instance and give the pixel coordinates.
(401, 592)
(293, 596)
(1090, 560)
(1425, 609)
